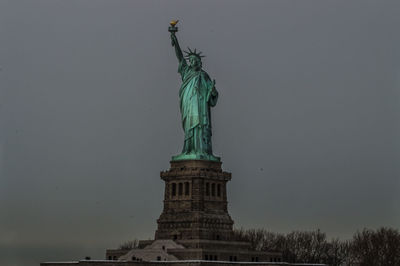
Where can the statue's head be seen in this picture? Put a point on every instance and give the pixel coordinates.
(194, 59)
(195, 62)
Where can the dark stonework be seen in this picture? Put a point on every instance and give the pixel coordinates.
(195, 202)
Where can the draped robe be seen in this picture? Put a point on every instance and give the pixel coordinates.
(196, 97)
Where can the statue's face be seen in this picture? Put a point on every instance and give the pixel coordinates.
(195, 62)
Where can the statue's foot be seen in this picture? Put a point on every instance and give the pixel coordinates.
(195, 156)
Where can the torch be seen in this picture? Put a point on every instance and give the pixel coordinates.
(173, 28)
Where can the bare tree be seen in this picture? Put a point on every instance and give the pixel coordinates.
(367, 248)
(128, 245)
(378, 248)
(297, 246)
(338, 253)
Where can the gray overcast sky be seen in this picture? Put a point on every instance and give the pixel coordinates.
(307, 120)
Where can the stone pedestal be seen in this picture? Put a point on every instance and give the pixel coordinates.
(195, 202)
(195, 215)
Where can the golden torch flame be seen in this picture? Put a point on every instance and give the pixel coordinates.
(173, 23)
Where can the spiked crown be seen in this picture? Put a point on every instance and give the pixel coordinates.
(193, 53)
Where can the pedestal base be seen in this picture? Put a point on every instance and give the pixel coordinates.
(195, 205)
(194, 156)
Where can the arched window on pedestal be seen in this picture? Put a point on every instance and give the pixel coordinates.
(187, 192)
(180, 189)
(173, 189)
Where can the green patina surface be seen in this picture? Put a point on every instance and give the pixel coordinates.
(196, 96)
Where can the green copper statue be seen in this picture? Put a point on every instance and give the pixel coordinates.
(197, 95)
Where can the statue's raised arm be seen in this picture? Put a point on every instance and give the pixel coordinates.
(175, 43)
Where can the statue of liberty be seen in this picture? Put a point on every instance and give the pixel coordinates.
(197, 95)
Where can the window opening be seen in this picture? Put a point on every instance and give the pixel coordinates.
(180, 189)
(187, 188)
(173, 189)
